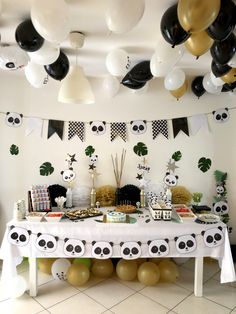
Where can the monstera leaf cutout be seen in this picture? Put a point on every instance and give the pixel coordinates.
(14, 150)
(46, 169)
(177, 156)
(89, 150)
(204, 164)
(140, 149)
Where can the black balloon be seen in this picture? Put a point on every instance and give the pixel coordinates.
(27, 37)
(140, 72)
(171, 29)
(224, 23)
(128, 82)
(223, 51)
(228, 87)
(197, 86)
(219, 70)
(58, 69)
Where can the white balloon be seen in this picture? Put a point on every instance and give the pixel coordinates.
(217, 81)
(13, 58)
(159, 68)
(47, 54)
(164, 51)
(123, 15)
(111, 85)
(117, 62)
(232, 62)
(18, 286)
(60, 268)
(36, 75)
(51, 19)
(209, 86)
(174, 79)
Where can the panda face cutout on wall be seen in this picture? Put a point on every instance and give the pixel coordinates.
(158, 248)
(220, 189)
(220, 208)
(19, 236)
(68, 175)
(74, 247)
(221, 115)
(14, 119)
(98, 127)
(138, 126)
(93, 159)
(130, 250)
(186, 243)
(170, 179)
(213, 237)
(101, 249)
(46, 242)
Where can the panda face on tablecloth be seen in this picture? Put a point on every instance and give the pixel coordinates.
(74, 247)
(46, 242)
(68, 175)
(19, 236)
(98, 127)
(221, 115)
(138, 126)
(130, 250)
(213, 237)
(14, 119)
(158, 248)
(186, 243)
(220, 208)
(101, 249)
(170, 179)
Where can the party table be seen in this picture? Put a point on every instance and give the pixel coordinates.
(141, 237)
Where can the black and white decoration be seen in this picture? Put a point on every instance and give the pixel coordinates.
(74, 247)
(98, 127)
(221, 115)
(118, 129)
(158, 248)
(160, 127)
(76, 128)
(221, 208)
(19, 236)
(46, 242)
(138, 127)
(213, 237)
(130, 250)
(186, 243)
(102, 250)
(13, 119)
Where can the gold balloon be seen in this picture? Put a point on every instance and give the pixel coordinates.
(102, 268)
(157, 260)
(148, 273)
(197, 15)
(179, 92)
(45, 265)
(126, 270)
(140, 260)
(198, 43)
(229, 77)
(168, 271)
(78, 274)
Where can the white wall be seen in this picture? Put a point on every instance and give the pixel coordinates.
(21, 171)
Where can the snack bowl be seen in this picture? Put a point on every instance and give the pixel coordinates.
(35, 216)
(54, 216)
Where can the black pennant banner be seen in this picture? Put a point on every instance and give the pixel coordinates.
(55, 126)
(76, 128)
(159, 126)
(118, 129)
(180, 124)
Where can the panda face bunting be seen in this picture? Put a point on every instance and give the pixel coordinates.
(13, 119)
(19, 236)
(98, 127)
(221, 115)
(158, 248)
(118, 129)
(130, 250)
(213, 237)
(220, 208)
(160, 127)
(138, 127)
(46, 243)
(102, 250)
(76, 128)
(74, 247)
(186, 243)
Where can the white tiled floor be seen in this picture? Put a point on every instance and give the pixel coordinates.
(115, 296)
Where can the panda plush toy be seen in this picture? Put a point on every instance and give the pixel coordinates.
(138, 126)
(98, 127)
(13, 119)
(170, 179)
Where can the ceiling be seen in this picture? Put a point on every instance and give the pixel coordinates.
(88, 16)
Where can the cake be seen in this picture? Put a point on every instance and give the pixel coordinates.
(116, 217)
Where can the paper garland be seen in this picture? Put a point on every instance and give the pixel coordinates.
(118, 129)
(76, 128)
(55, 126)
(180, 124)
(160, 127)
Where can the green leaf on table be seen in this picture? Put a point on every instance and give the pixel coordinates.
(177, 156)
(89, 150)
(140, 149)
(14, 150)
(204, 164)
(46, 169)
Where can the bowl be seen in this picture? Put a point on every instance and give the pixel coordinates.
(35, 216)
(54, 216)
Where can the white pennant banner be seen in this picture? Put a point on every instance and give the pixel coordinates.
(34, 125)
(197, 122)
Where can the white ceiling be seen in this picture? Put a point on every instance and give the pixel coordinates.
(88, 16)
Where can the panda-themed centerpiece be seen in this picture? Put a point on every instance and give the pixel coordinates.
(68, 176)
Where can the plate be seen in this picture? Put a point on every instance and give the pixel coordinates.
(35, 216)
(83, 213)
(54, 216)
(207, 219)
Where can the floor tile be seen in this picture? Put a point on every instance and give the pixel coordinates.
(44, 312)
(221, 294)
(210, 267)
(196, 305)
(24, 304)
(109, 292)
(134, 284)
(53, 292)
(79, 303)
(92, 282)
(138, 304)
(217, 277)
(168, 295)
(107, 312)
(42, 278)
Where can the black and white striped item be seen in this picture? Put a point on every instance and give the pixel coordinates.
(76, 128)
(159, 126)
(118, 129)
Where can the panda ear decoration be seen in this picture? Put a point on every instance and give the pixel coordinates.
(84, 242)
(39, 234)
(176, 238)
(220, 228)
(177, 177)
(227, 109)
(66, 239)
(148, 242)
(12, 227)
(111, 243)
(193, 235)
(202, 233)
(93, 242)
(29, 232)
(22, 114)
(121, 243)
(167, 173)
(90, 122)
(139, 243)
(56, 238)
(167, 240)
(213, 112)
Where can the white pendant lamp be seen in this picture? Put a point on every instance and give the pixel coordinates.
(75, 87)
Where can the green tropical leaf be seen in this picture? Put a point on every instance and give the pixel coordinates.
(204, 164)
(14, 150)
(140, 149)
(220, 176)
(89, 150)
(177, 156)
(46, 169)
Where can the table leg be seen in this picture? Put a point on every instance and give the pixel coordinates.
(198, 276)
(33, 276)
